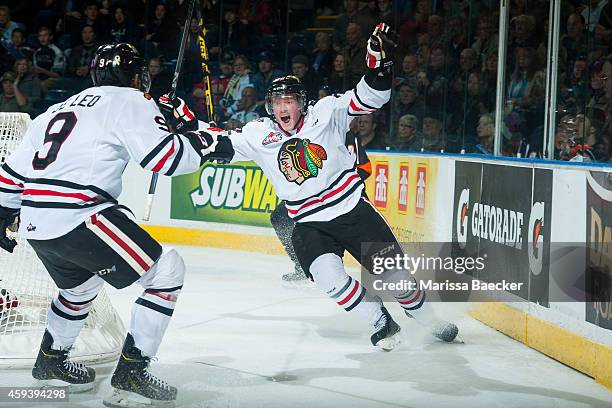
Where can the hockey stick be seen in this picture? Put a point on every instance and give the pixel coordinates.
(210, 107)
(171, 95)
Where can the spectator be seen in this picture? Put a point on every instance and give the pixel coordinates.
(436, 81)
(163, 31)
(601, 150)
(351, 14)
(527, 83)
(240, 80)
(408, 135)
(247, 107)
(574, 42)
(259, 14)
(409, 70)
(599, 81)
(574, 86)
(368, 133)
(385, 13)
(354, 54)
(12, 100)
(486, 40)
(122, 29)
(435, 30)
(81, 56)
(323, 55)
(415, 24)
(406, 101)
(468, 114)
(486, 134)
(266, 73)
(14, 49)
(28, 81)
(311, 81)
(337, 81)
(434, 138)
(468, 63)
(218, 84)
(6, 25)
(160, 79)
(489, 76)
(457, 38)
(48, 59)
(93, 18)
(234, 33)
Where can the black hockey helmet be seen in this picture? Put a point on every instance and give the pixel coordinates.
(117, 64)
(285, 86)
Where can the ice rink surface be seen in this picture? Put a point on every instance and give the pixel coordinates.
(239, 339)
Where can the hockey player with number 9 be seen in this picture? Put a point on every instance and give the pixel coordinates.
(301, 149)
(65, 178)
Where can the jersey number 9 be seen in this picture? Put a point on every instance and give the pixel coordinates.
(56, 139)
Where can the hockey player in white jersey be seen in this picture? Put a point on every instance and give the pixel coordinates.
(65, 178)
(302, 152)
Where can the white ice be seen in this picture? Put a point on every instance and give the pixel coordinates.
(239, 339)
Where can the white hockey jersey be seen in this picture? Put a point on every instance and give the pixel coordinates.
(311, 169)
(70, 162)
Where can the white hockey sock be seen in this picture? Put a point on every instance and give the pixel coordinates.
(68, 311)
(329, 275)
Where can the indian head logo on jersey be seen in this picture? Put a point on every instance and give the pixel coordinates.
(402, 200)
(381, 181)
(299, 160)
(421, 186)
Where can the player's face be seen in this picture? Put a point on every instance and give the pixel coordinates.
(286, 111)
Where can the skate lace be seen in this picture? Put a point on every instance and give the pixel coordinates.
(76, 368)
(380, 323)
(156, 381)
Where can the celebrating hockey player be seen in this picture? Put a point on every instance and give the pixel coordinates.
(283, 224)
(65, 178)
(302, 152)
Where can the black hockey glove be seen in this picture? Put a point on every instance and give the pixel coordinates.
(177, 114)
(381, 46)
(9, 217)
(211, 146)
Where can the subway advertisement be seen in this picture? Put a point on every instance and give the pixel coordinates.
(234, 194)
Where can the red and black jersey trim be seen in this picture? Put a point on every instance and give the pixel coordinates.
(346, 194)
(147, 159)
(75, 186)
(174, 289)
(12, 172)
(177, 158)
(84, 302)
(9, 191)
(361, 102)
(102, 197)
(329, 188)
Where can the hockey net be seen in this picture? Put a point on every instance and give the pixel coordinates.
(26, 291)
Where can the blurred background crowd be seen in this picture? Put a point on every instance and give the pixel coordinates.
(445, 75)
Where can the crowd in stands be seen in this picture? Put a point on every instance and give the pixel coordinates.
(445, 74)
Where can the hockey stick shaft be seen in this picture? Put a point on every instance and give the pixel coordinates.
(177, 70)
(210, 107)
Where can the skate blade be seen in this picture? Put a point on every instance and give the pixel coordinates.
(127, 399)
(389, 343)
(71, 388)
(298, 284)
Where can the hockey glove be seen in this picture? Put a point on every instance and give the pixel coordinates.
(211, 146)
(381, 46)
(9, 219)
(178, 114)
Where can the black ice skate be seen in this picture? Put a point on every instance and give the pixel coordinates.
(386, 332)
(134, 386)
(296, 278)
(440, 329)
(54, 368)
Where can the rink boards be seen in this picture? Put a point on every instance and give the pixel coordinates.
(542, 221)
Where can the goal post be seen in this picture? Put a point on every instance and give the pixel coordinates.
(26, 290)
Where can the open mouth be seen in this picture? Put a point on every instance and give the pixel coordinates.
(285, 119)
